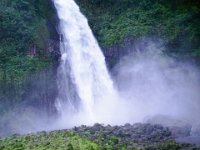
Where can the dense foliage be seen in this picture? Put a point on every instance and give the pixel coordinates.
(89, 139)
(24, 34)
(59, 140)
(175, 21)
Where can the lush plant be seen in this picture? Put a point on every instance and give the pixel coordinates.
(53, 140)
(70, 140)
(24, 34)
(175, 21)
(23, 28)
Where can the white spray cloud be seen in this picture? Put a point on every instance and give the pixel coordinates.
(152, 87)
(157, 88)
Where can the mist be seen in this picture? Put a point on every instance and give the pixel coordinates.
(157, 88)
(151, 87)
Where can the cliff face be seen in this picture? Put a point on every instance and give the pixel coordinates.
(115, 52)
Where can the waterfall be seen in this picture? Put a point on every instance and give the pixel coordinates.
(85, 87)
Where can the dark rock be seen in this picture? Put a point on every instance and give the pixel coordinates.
(142, 134)
(180, 131)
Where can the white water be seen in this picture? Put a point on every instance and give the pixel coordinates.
(151, 84)
(85, 87)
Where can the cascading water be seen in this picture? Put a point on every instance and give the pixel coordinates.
(85, 87)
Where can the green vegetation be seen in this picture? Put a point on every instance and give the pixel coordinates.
(175, 21)
(25, 31)
(55, 140)
(27, 25)
(70, 140)
(23, 38)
